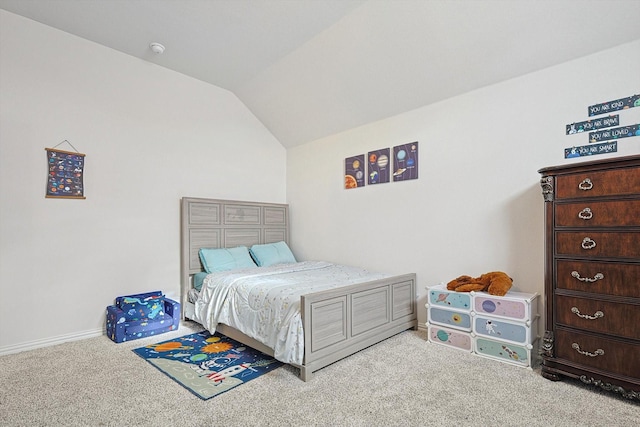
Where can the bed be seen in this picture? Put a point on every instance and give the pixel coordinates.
(336, 322)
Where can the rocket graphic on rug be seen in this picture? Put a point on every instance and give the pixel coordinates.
(231, 371)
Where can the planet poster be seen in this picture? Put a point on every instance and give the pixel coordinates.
(354, 172)
(65, 176)
(379, 166)
(405, 162)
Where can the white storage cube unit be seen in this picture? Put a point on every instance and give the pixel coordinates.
(501, 328)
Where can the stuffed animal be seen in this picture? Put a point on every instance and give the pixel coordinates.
(495, 283)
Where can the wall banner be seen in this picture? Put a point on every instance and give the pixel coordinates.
(590, 150)
(603, 122)
(615, 133)
(65, 177)
(618, 104)
(354, 172)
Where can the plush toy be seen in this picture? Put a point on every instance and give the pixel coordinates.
(495, 283)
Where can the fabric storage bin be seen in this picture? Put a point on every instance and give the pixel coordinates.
(452, 318)
(449, 337)
(514, 354)
(518, 306)
(505, 330)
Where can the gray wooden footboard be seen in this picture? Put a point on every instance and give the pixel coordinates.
(340, 322)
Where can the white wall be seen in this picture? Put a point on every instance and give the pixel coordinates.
(477, 205)
(150, 136)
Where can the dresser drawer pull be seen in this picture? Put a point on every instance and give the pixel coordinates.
(598, 276)
(585, 214)
(598, 352)
(596, 315)
(587, 243)
(585, 185)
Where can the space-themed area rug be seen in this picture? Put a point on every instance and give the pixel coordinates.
(207, 365)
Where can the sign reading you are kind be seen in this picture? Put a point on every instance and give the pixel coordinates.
(618, 104)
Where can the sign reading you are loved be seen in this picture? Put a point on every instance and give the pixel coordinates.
(615, 133)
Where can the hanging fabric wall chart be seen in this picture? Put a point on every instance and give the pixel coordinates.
(354, 172)
(405, 162)
(65, 175)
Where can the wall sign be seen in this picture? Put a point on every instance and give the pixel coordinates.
(590, 150)
(615, 133)
(65, 176)
(604, 122)
(405, 162)
(354, 172)
(618, 104)
(378, 166)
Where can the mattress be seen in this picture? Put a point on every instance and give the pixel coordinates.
(264, 302)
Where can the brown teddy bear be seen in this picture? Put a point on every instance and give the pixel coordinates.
(495, 283)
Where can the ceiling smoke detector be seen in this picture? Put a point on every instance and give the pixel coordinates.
(157, 48)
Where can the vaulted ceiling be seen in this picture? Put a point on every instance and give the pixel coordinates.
(311, 68)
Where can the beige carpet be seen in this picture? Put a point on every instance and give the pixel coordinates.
(403, 381)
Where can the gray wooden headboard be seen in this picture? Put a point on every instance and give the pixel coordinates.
(213, 223)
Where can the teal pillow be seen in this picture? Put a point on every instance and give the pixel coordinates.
(198, 279)
(215, 260)
(272, 253)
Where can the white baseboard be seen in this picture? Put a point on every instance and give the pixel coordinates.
(46, 342)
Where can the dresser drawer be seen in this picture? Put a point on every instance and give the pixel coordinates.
(600, 352)
(612, 318)
(598, 244)
(599, 277)
(598, 214)
(598, 183)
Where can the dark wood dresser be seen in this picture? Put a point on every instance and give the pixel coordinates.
(592, 273)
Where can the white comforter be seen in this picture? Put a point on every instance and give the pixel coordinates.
(264, 302)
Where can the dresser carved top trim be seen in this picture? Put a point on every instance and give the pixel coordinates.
(546, 182)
